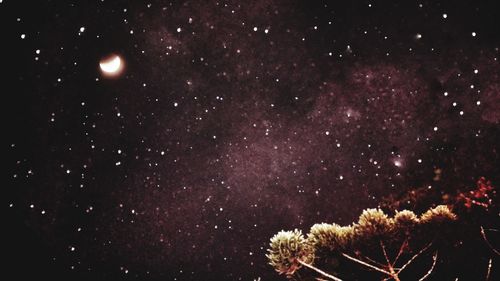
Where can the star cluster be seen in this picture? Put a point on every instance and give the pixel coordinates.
(231, 121)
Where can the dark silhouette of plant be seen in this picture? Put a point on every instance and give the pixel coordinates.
(440, 243)
(374, 231)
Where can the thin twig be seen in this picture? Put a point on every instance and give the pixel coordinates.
(367, 264)
(401, 250)
(414, 257)
(389, 264)
(488, 242)
(434, 260)
(319, 271)
(385, 253)
(489, 270)
(374, 261)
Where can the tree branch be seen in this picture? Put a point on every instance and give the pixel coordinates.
(489, 270)
(389, 264)
(488, 242)
(319, 271)
(385, 254)
(374, 261)
(414, 257)
(434, 260)
(367, 264)
(401, 250)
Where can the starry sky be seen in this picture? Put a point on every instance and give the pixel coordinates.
(231, 121)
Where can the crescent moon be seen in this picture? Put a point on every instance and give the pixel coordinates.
(111, 66)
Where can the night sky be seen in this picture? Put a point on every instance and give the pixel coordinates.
(230, 121)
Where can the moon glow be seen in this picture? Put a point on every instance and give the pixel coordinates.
(111, 66)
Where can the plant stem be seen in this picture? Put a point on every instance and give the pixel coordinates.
(319, 271)
(414, 257)
(488, 242)
(367, 264)
(434, 260)
(489, 270)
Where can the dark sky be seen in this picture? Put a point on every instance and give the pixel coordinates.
(231, 121)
